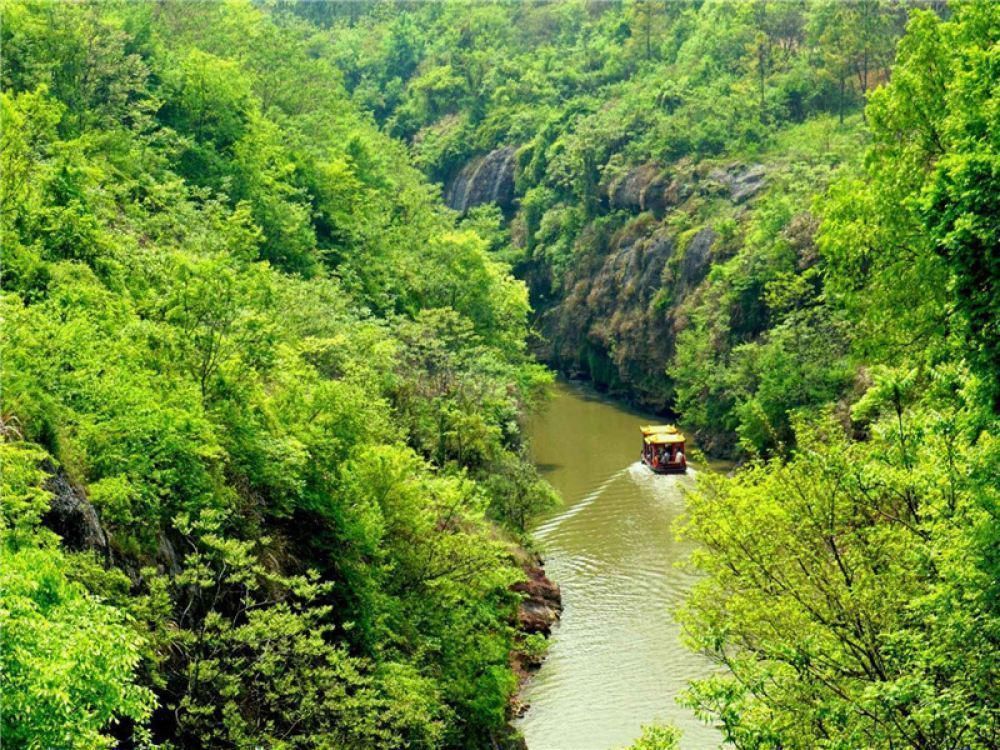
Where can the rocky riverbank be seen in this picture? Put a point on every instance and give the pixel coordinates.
(539, 611)
(542, 603)
(537, 614)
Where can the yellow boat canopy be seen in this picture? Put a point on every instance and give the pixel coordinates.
(662, 438)
(658, 429)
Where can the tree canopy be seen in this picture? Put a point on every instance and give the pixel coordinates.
(263, 471)
(245, 339)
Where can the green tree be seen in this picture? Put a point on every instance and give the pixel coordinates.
(825, 582)
(69, 662)
(657, 737)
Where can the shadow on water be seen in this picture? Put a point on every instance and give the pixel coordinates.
(547, 468)
(616, 661)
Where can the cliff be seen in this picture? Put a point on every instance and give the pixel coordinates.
(614, 316)
(485, 179)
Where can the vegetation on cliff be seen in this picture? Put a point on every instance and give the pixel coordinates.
(667, 155)
(755, 215)
(264, 387)
(260, 444)
(852, 584)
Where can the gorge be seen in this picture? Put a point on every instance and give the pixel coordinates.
(285, 288)
(615, 660)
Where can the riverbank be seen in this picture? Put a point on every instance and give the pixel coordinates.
(537, 614)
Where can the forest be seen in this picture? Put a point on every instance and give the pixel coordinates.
(283, 280)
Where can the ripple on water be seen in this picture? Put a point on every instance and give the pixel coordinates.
(616, 660)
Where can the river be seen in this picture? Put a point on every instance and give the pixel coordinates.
(615, 661)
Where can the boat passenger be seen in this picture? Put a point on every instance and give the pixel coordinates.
(679, 456)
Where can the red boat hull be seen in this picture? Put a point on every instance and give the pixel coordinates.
(667, 468)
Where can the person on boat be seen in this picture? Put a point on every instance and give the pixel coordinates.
(679, 456)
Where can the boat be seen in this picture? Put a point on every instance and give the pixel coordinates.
(663, 449)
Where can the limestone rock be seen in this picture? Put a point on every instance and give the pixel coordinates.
(747, 184)
(485, 179)
(697, 258)
(609, 325)
(739, 181)
(647, 187)
(72, 516)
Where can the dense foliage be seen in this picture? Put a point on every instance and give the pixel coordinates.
(260, 440)
(852, 586)
(580, 83)
(667, 157)
(262, 384)
(750, 214)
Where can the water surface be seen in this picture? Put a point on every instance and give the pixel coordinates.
(616, 661)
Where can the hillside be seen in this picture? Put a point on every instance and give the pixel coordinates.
(655, 164)
(276, 281)
(264, 389)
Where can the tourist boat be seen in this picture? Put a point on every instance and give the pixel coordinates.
(663, 449)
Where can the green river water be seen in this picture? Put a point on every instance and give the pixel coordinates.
(615, 661)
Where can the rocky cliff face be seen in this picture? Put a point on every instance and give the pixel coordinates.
(607, 327)
(486, 179)
(615, 313)
(653, 187)
(649, 187)
(620, 306)
(72, 516)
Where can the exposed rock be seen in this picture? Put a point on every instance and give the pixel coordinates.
(676, 192)
(72, 516)
(651, 187)
(627, 191)
(647, 187)
(536, 617)
(166, 555)
(485, 179)
(747, 184)
(608, 325)
(697, 258)
(542, 604)
(518, 707)
(740, 182)
(717, 177)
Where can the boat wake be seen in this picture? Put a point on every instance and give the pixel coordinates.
(553, 523)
